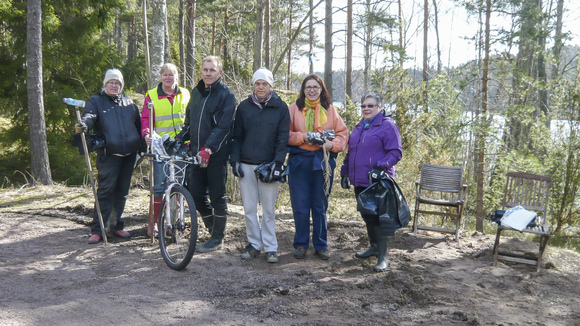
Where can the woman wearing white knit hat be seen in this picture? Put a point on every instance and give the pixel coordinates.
(114, 117)
(258, 153)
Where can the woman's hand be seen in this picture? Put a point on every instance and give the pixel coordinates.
(147, 139)
(328, 145)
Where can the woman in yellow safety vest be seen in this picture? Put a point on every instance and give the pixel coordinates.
(168, 114)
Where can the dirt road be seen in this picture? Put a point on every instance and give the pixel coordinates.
(51, 276)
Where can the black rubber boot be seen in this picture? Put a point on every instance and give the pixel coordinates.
(382, 262)
(372, 251)
(217, 235)
(208, 222)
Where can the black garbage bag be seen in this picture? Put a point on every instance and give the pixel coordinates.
(94, 142)
(385, 199)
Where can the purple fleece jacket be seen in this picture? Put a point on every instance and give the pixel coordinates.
(375, 146)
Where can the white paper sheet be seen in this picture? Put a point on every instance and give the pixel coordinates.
(517, 218)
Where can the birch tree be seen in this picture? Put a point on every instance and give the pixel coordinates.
(158, 29)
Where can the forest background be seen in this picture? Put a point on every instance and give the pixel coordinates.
(514, 107)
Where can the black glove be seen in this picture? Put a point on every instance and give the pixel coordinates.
(278, 172)
(344, 182)
(175, 147)
(377, 174)
(315, 138)
(81, 127)
(237, 169)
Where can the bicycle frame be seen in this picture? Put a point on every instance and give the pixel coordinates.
(172, 180)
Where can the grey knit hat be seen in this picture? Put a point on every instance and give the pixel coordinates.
(114, 74)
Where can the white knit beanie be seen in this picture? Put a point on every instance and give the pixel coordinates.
(263, 74)
(114, 74)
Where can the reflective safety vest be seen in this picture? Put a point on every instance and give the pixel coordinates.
(169, 118)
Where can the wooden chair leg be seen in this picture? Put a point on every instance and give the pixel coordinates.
(415, 220)
(543, 243)
(496, 246)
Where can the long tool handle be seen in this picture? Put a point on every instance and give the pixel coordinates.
(98, 207)
(151, 177)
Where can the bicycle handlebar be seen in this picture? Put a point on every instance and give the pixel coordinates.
(161, 158)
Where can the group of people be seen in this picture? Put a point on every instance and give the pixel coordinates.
(265, 141)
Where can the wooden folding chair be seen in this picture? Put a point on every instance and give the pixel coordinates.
(531, 191)
(440, 186)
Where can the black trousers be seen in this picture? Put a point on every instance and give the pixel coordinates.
(208, 187)
(114, 178)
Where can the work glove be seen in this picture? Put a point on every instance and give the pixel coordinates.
(278, 172)
(377, 174)
(344, 182)
(237, 169)
(174, 146)
(315, 138)
(203, 157)
(81, 127)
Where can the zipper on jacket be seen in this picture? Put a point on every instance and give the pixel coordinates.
(201, 117)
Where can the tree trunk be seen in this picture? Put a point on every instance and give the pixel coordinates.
(181, 36)
(436, 19)
(39, 161)
(368, 30)
(349, 33)
(191, 17)
(482, 134)
(132, 40)
(158, 14)
(225, 39)
(146, 42)
(425, 54)
(401, 35)
(213, 36)
(267, 34)
(289, 68)
(558, 39)
(166, 38)
(328, 47)
(258, 38)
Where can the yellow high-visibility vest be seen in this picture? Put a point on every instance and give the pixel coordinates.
(169, 118)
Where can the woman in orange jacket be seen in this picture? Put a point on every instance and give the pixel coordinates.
(317, 135)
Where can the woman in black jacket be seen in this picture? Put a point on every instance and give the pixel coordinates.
(261, 132)
(114, 117)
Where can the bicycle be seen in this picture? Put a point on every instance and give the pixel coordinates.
(177, 220)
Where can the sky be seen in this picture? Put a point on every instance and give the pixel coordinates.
(455, 26)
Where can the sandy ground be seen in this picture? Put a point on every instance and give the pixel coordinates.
(51, 276)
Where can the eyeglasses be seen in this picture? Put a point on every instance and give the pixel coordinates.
(114, 83)
(312, 88)
(370, 106)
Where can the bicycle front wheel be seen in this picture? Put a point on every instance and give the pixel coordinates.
(177, 228)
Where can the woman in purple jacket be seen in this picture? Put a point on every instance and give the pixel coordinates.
(374, 145)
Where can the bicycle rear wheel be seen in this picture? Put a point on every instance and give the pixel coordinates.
(178, 234)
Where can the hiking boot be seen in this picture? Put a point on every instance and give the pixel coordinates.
(211, 245)
(323, 254)
(122, 234)
(95, 238)
(271, 257)
(250, 253)
(299, 253)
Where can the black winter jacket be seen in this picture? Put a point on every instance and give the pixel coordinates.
(209, 117)
(117, 120)
(261, 134)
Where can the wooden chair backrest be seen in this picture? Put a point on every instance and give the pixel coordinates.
(441, 178)
(531, 191)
